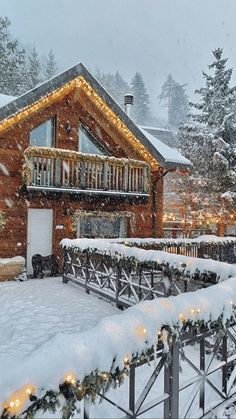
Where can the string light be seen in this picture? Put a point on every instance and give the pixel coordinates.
(70, 378)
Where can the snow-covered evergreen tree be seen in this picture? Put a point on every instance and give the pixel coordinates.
(34, 69)
(141, 111)
(174, 97)
(50, 67)
(211, 142)
(11, 61)
(217, 97)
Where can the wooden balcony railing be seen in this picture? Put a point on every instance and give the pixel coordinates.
(58, 169)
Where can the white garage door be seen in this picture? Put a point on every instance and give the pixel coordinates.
(39, 238)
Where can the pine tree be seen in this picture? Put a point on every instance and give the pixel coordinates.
(116, 86)
(50, 67)
(11, 61)
(34, 69)
(217, 97)
(211, 143)
(141, 111)
(174, 97)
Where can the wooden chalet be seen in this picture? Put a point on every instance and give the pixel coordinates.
(74, 164)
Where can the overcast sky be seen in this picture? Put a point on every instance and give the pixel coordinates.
(155, 37)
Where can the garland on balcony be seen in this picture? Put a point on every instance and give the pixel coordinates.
(110, 215)
(2, 220)
(49, 152)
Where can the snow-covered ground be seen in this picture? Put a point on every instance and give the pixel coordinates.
(34, 312)
(49, 329)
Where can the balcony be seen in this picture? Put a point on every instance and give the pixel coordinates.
(58, 170)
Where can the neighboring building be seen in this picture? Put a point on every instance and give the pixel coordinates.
(72, 163)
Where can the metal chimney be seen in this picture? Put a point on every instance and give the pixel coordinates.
(128, 102)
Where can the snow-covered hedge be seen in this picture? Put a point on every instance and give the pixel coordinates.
(187, 266)
(104, 349)
(201, 240)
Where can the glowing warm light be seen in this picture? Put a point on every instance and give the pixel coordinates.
(182, 221)
(70, 378)
(192, 311)
(181, 316)
(141, 331)
(231, 216)
(126, 359)
(17, 400)
(198, 310)
(28, 391)
(200, 223)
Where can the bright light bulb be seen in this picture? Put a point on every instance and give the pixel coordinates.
(12, 404)
(28, 391)
(144, 330)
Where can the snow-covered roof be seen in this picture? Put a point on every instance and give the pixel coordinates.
(166, 156)
(5, 99)
(170, 154)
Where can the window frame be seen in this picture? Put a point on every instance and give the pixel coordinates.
(53, 132)
(122, 228)
(93, 139)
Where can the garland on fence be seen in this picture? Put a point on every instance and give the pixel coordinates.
(159, 244)
(168, 270)
(110, 215)
(98, 383)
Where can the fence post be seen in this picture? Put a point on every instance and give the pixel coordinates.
(171, 383)
(64, 267)
(202, 369)
(224, 369)
(132, 389)
(118, 276)
(86, 407)
(87, 290)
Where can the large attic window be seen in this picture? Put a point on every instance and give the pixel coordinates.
(44, 134)
(89, 144)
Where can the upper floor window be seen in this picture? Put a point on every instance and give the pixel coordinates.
(44, 134)
(88, 143)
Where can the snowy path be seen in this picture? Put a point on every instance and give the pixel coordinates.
(35, 311)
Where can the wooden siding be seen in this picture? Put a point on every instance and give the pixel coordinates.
(15, 201)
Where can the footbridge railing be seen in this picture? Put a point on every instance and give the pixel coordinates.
(167, 358)
(126, 275)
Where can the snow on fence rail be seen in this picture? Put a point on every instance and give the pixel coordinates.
(103, 355)
(209, 246)
(184, 265)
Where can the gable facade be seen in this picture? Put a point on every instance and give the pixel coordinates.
(118, 190)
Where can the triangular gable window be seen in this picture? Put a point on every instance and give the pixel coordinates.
(44, 134)
(88, 143)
